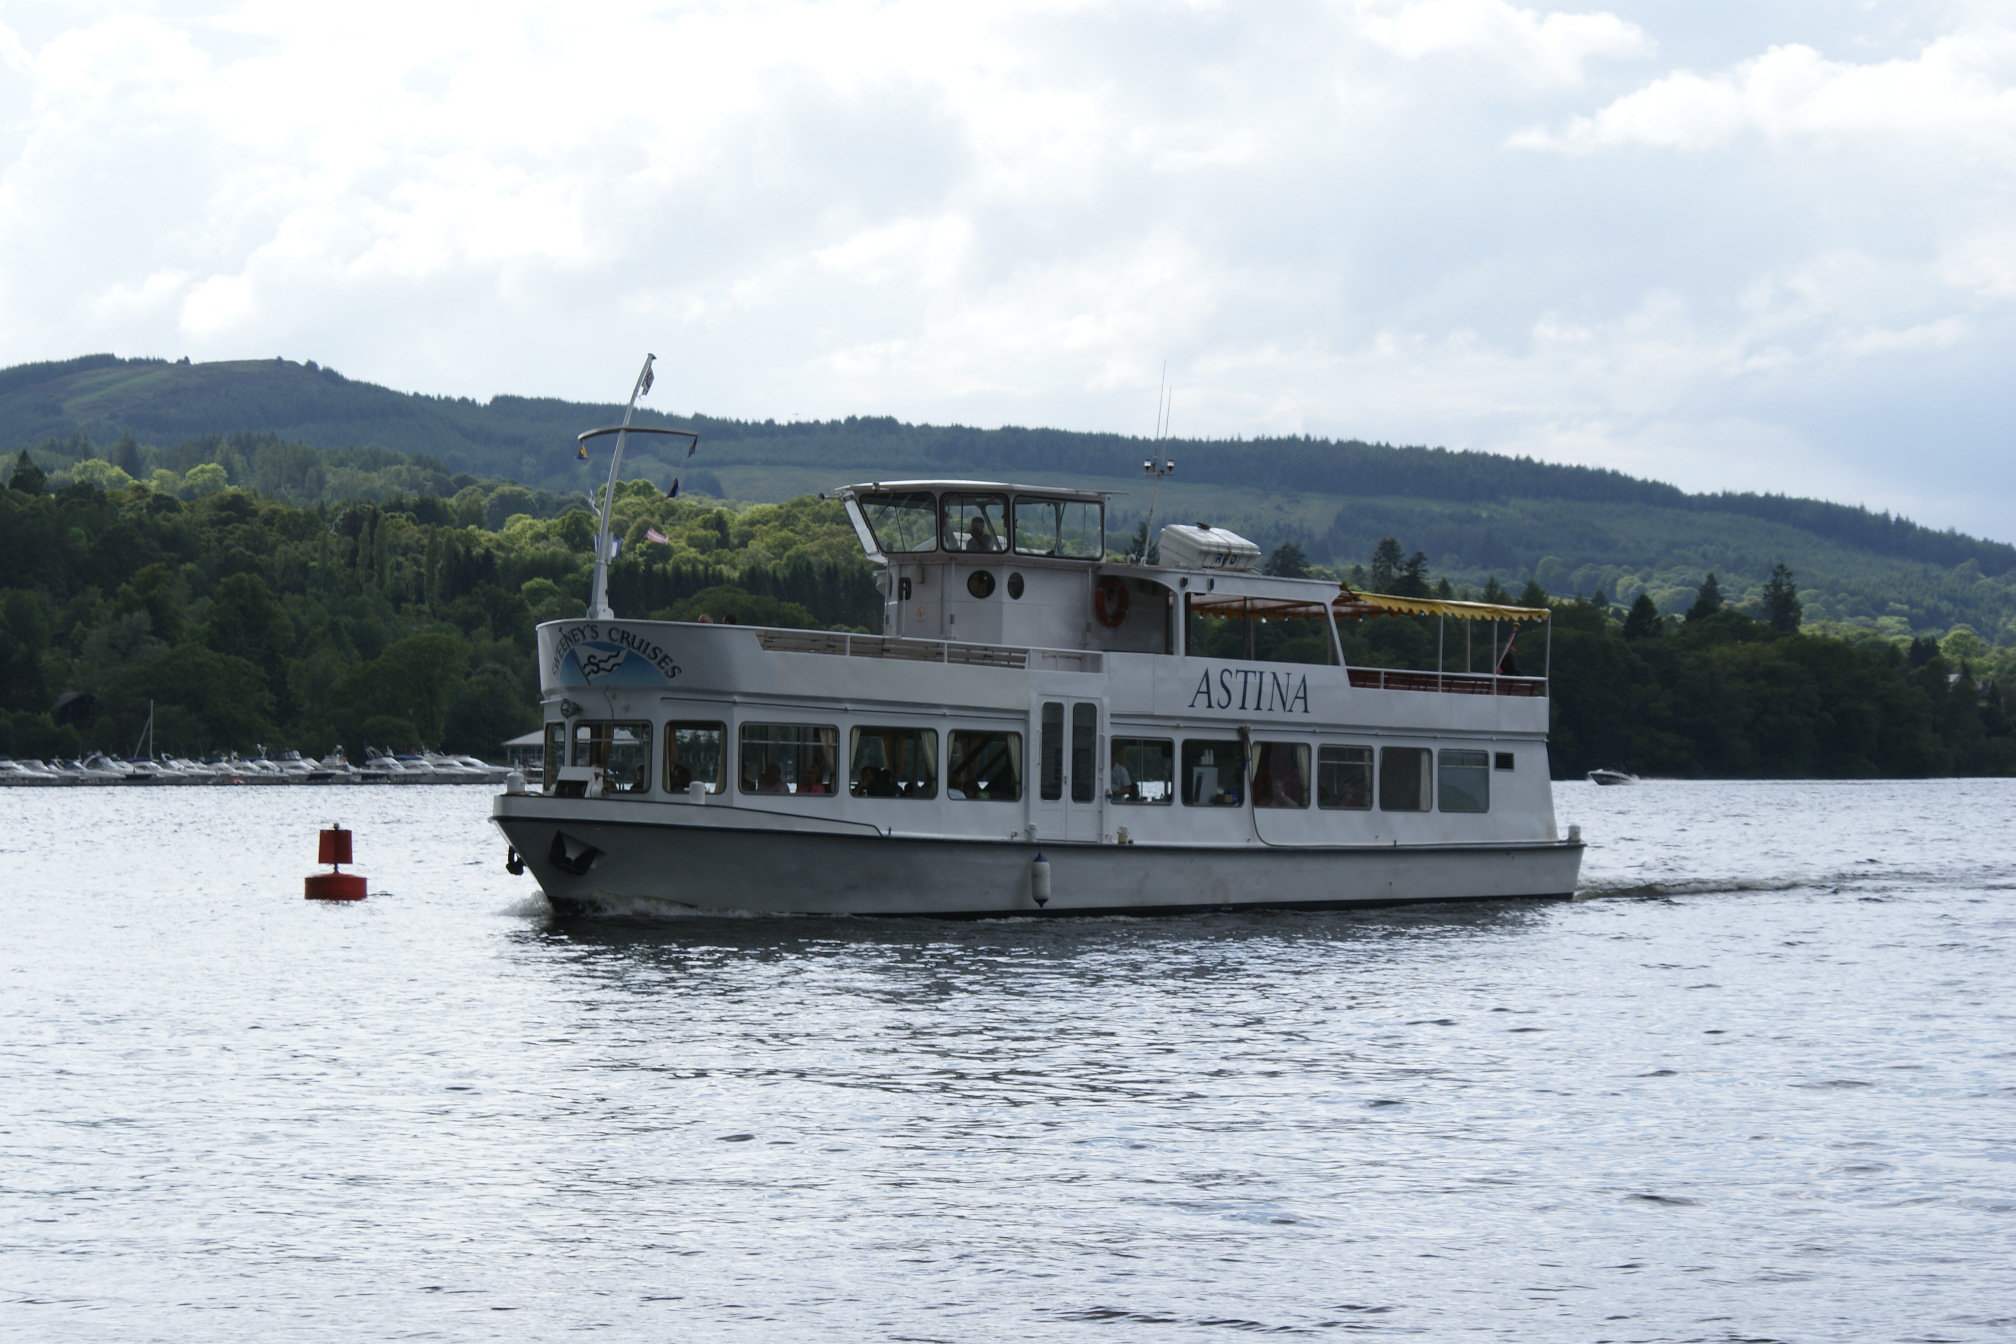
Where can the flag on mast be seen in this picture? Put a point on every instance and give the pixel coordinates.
(653, 535)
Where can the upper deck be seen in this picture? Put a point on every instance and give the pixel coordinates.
(1017, 567)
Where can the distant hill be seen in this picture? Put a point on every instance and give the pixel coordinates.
(1577, 529)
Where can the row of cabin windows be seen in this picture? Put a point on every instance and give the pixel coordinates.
(986, 765)
(797, 758)
(1213, 774)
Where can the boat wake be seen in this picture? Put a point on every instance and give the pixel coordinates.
(1864, 878)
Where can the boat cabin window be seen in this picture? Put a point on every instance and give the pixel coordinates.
(1071, 528)
(1214, 773)
(1052, 731)
(893, 763)
(694, 752)
(1404, 775)
(976, 523)
(622, 751)
(1144, 770)
(1465, 781)
(552, 756)
(906, 521)
(1280, 774)
(984, 767)
(789, 757)
(1344, 778)
(1084, 752)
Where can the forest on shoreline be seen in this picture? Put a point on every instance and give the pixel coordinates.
(248, 621)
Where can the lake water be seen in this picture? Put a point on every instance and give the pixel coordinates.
(1763, 1087)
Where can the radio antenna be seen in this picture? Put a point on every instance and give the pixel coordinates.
(1160, 465)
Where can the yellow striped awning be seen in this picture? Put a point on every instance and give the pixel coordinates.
(1351, 602)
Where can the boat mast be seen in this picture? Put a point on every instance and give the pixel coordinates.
(598, 598)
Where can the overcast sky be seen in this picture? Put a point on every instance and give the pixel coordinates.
(1761, 244)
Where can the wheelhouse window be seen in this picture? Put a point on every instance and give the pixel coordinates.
(1344, 778)
(1464, 781)
(902, 521)
(984, 767)
(1280, 774)
(621, 750)
(1404, 775)
(1213, 773)
(893, 763)
(1074, 529)
(794, 758)
(693, 755)
(1143, 770)
(976, 523)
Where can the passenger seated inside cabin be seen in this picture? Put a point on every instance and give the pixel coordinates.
(814, 780)
(1281, 775)
(874, 782)
(772, 780)
(980, 537)
(1120, 784)
(681, 779)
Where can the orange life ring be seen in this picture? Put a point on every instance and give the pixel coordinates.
(1109, 601)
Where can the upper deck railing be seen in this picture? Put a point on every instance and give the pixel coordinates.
(929, 650)
(1449, 683)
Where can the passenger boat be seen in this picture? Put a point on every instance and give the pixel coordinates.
(1039, 728)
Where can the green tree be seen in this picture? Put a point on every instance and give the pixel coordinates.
(1642, 621)
(1288, 562)
(1386, 563)
(1708, 601)
(246, 622)
(1782, 608)
(27, 477)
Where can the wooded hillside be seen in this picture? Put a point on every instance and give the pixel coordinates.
(1578, 530)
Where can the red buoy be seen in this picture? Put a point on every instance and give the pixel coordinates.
(335, 885)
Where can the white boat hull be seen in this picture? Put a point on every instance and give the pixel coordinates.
(728, 861)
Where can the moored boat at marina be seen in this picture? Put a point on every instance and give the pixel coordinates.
(1038, 728)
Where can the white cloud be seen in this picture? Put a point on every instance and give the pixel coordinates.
(1545, 47)
(1960, 88)
(1327, 215)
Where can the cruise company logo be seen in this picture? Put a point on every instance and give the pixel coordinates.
(1252, 689)
(595, 654)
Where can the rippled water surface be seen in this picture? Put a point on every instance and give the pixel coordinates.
(1763, 1086)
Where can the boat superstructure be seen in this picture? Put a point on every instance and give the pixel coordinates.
(1038, 728)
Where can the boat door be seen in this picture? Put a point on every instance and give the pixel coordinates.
(1066, 802)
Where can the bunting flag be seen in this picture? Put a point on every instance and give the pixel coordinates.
(581, 451)
(652, 534)
(693, 445)
(673, 493)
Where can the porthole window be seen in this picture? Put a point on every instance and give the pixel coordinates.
(980, 583)
(1015, 585)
